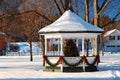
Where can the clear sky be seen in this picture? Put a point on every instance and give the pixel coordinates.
(111, 10)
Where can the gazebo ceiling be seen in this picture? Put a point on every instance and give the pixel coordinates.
(69, 22)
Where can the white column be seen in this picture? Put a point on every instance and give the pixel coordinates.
(61, 52)
(83, 53)
(77, 42)
(58, 46)
(45, 45)
(93, 42)
(96, 47)
(83, 46)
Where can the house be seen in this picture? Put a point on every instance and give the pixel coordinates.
(112, 41)
(2, 43)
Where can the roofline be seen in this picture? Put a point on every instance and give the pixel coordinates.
(70, 32)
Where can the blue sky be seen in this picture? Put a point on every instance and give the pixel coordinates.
(111, 9)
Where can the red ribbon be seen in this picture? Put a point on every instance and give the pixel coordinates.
(44, 58)
(98, 58)
(60, 61)
(84, 59)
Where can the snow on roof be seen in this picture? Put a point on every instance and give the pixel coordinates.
(111, 31)
(70, 22)
(2, 33)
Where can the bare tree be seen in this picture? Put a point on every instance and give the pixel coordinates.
(47, 12)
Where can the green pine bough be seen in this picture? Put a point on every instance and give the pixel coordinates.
(92, 64)
(74, 64)
(53, 65)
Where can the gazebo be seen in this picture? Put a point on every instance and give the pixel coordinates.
(65, 41)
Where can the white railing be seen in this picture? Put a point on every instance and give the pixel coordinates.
(20, 53)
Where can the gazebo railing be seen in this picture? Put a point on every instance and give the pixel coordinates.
(81, 63)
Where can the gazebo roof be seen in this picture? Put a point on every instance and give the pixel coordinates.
(69, 22)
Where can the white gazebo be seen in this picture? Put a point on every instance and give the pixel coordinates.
(69, 27)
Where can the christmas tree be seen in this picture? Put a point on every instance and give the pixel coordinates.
(70, 49)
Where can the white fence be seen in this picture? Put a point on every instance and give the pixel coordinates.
(20, 53)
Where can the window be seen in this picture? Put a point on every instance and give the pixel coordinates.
(111, 37)
(118, 45)
(53, 47)
(118, 37)
(110, 45)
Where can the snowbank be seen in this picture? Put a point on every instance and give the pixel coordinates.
(20, 68)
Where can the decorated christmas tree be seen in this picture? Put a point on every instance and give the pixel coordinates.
(70, 49)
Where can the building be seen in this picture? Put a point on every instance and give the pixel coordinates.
(2, 43)
(112, 41)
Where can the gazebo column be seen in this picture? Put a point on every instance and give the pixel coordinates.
(95, 46)
(45, 45)
(83, 51)
(58, 46)
(77, 43)
(61, 52)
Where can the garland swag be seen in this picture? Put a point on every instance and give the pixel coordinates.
(96, 60)
(72, 65)
(82, 60)
(53, 65)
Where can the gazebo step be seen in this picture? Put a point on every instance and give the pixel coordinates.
(90, 68)
(50, 69)
(72, 69)
(80, 69)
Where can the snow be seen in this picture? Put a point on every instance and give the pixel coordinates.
(25, 48)
(69, 21)
(113, 32)
(20, 68)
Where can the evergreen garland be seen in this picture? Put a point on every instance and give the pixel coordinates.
(51, 64)
(92, 64)
(72, 65)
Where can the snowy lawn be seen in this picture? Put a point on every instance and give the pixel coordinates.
(20, 68)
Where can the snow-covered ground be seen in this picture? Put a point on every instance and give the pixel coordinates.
(20, 68)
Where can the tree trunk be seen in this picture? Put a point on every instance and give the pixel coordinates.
(102, 45)
(42, 44)
(97, 12)
(31, 56)
(87, 10)
(96, 21)
(87, 20)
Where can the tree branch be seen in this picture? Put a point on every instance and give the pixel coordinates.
(57, 6)
(14, 14)
(62, 4)
(76, 5)
(113, 19)
(105, 3)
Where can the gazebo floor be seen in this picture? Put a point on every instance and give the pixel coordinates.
(80, 69)
(50, 69)
(72, 69)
